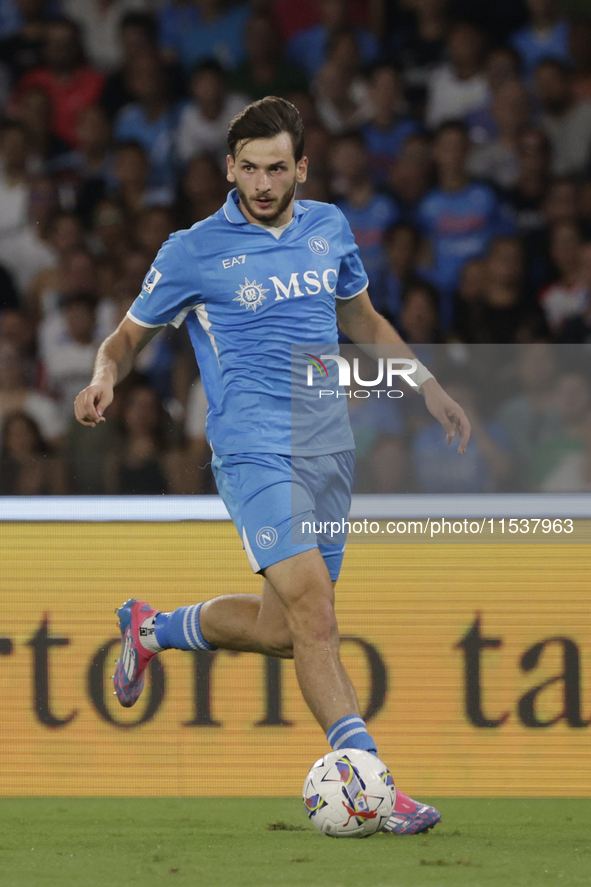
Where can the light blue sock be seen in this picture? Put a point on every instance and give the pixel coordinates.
(351, 732)
(180, 630)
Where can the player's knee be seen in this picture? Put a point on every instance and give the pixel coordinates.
(282, 647)
(313, 617)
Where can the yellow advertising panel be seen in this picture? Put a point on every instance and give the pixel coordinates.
(472, 664)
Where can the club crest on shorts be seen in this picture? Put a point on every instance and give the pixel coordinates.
(251, 294)
(267, 537)
(319, 246)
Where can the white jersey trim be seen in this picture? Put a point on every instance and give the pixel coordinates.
(354, 296)
(175, 322)
(249, 552)
(148, 326)
(203, 318)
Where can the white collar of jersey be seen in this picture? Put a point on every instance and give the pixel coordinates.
(233, 213)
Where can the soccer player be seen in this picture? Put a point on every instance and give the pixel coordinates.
(263, 272)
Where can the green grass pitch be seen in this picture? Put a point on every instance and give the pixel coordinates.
(228, 842)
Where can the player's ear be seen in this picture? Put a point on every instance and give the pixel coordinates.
(302, 170)
(230, 164)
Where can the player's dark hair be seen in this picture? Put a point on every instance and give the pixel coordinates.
(265, 119)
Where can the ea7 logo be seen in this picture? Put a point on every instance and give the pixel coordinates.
(235, 260)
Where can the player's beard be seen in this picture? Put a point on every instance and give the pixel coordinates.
(280, 207)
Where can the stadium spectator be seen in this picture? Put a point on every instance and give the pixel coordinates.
(110, 235)
(458, 217)
(14, 179)
(27, 251)
(417, 45)
(402, 243)
(18, 394)
(22, 50)
(368, 212)
(9, 297)
(505, 311)
(458, 87)
(69, 82)
(580, 50)
(411, 175)
(65, 236)
(151, 119)
(175, 17)
(203, 190)
(565, 296)
(496, 161)
(502, 66)
(34, 112)
(468, 298)
(341, 99)
(87, 174)
(132, 181)
(100, 21)
(198, 450)
(27, 466)
(138, 36)
(565, 119)
(488, 463)
(309, 49)
(529, 417)
(378, 430)
(419, 314)
(545, 36)
(68, 348)
(219, 33)
(577, 329)
(265, 71)
(153, 226)
(561, 464)
(18, 329)
(74, 275)
(203, 123)
(388, 128)
(145, 465)
(533, 155)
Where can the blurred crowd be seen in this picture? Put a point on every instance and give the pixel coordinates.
(454, 136)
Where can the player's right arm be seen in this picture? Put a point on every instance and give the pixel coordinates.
(114, 361)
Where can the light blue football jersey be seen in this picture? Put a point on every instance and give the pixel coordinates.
(247, 298)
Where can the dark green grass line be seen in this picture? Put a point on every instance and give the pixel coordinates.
(229, 842)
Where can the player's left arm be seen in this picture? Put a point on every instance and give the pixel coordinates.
(359, 320)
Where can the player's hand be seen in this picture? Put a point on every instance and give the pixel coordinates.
(447, 412)
(91, 403)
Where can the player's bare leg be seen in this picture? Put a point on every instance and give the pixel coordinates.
(251, 623)
(303, 585)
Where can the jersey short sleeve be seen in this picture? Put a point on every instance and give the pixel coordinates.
(352, 277)
(170, 288)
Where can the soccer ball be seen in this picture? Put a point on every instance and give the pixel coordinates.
(349, 794)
